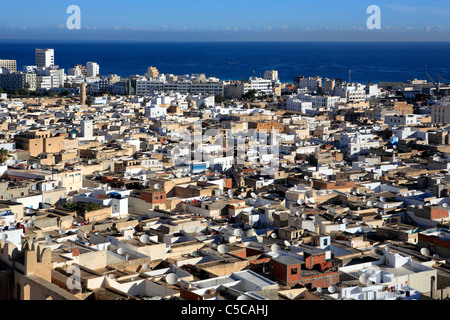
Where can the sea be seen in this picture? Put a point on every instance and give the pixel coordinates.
(368, 61)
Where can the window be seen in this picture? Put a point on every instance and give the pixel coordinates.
(294, 271)
(156, 197)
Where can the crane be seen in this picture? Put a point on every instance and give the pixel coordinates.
(436, 84)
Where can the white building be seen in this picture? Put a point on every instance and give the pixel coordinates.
(92, 69)
(271, 75)
(310, 83)
(45, 58)
(352, 92)
(117, 199)
(155, 111)
(402, 120)
(440, 112)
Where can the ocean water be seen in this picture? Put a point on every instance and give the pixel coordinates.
(368, 61)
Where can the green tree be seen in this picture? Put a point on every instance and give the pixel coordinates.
(3, 155)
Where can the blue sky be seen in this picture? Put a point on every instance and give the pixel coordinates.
(212, 20)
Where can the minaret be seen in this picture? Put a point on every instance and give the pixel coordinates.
(83, 95)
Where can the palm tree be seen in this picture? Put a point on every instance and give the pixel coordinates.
(3, 155)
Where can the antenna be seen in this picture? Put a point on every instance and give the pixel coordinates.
(275, 248)
(144, 238)
(171, 278)
(425, 251)
(146, 266)
(363, 278)
(222, 249)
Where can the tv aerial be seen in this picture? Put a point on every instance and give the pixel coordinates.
(275, 249)
(171, 278)
(222, 249)
(146, 266)
(425, 251)
(238, 232)
(363, 278)
(144, 238)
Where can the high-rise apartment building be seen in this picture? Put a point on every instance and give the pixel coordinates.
(152, 72)
(11, 65)
(45, 58)
(92, 69)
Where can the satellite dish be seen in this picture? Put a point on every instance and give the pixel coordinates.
(425, 251)
(145, 266)
(243, 297)
(387, 249)
(240, 196)
(157, 186)
(254, 196)
(111, 276)
(436, 256)
(171, 278)
(3, 236)
(30, 224)
(300, 201)
(286, 243)
(231, 193)
(369, 203)
(144, 238)
(289, 295)
(34, 217)
(363, 278)
(120, 251)
(331, 289)
(237, 232)
(445, 205)
(275, 248)
(306, 178)
(48, 239)
(383, 199)
(298, 213)
(319, 289)
(62, 231)
(304, 215)
(222, 248)
(128, 237)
